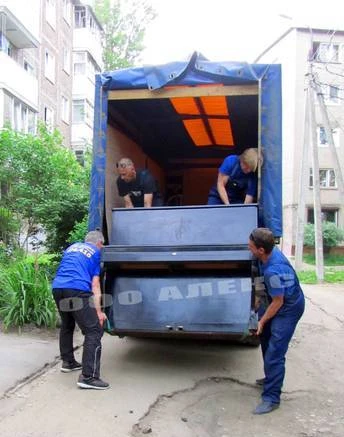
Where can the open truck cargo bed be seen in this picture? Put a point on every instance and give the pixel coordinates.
(184, 269)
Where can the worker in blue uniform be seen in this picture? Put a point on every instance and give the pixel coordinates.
(77, 293)
(277, 322)
(236, 179)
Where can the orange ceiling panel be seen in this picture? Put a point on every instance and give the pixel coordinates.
(222, 131)
(215, 105)
(197, 132)
(185, 105)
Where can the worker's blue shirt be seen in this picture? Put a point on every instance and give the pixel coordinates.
(280, 279)
(80, 263)
(239, 183)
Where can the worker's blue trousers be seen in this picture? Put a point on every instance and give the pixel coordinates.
(275, 339)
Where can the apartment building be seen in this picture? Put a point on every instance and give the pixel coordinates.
(55, 75)
(294, 50)
(50, 51)
(87, 61)
(19, 60)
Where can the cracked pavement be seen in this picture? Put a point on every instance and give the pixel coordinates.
(188, 388)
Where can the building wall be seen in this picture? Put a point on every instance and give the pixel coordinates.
(292, 52)
(56, 36)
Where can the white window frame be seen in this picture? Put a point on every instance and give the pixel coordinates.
(323, 212)
(331, 94)
(80, 16)
(322, 139)
(49, 66)
(327, 52)
(50, 12)
(65, 109)
(81, 64)
(80, 106)
(67, 9)
(19, 115)
(325, 177)
(49, 116)
(66, 58)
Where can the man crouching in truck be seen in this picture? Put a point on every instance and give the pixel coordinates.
(278, 321)
(138, 188)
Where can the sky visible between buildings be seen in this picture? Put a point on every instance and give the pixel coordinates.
(225, 30)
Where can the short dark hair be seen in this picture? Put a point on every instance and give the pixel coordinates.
(263, 237)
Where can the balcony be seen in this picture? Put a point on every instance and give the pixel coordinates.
(82, 135)
(15, 31)
(84, 39)
(18, 82)
(87, 33)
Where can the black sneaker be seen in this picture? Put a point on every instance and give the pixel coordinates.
(95, 383)
(70, 366)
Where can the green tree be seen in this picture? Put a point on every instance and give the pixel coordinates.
(45, 184)
(124, 24)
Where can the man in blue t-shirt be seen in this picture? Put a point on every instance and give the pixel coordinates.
(236, 180)
(76, 290)
(277, 321)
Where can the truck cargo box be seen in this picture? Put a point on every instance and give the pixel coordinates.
(184, 269)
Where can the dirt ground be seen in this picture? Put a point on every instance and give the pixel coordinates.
(175, 388)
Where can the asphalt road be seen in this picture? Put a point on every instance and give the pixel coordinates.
(174, 388)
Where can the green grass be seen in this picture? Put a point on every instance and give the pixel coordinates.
(329, 260)
(25, 296)
(331, 276)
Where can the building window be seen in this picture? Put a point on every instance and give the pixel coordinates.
(65, 109)
(66, 59)
(67, 11)
(79, 63)
(327, 215)
(80, 156)
(322, 138)
(49, 118)
(50, 12)
(82, 111)
(79, 16)
(331, 94)
(49, 66)
(28, 67)
(325, 52)
(5, 45)
(79, 113)
(18, 115)
(327, 178)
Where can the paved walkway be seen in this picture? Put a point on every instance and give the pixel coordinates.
(24, 355)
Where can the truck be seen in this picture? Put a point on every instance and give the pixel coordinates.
(184, 269)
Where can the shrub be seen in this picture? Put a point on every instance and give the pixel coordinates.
(25, 296)
(332, 235)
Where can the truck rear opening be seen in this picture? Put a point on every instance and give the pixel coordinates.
(184, 269)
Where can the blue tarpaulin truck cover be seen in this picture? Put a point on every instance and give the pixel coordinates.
(195, 72)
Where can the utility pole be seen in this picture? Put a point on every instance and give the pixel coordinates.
(300, 223)
(319, 253)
